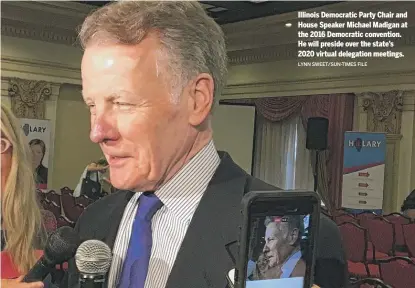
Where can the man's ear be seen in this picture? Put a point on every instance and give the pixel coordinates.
(200, 99)
(293, 237)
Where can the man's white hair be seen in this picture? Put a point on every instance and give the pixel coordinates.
(192, 41)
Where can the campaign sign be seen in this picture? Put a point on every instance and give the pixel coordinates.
(363, 171)
(38, 134)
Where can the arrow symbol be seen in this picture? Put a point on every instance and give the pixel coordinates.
(363, 185)
(364, 174)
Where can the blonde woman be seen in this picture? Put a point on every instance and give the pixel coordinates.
(21, 221)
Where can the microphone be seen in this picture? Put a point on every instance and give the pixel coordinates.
(60, 247)
(93, 259)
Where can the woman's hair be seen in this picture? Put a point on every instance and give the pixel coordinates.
(409, 202)
(42, 146)
(21, 215)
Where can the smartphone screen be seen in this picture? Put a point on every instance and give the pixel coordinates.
(280, 246)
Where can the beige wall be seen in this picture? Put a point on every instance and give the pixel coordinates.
(73, 148)
(233, 130)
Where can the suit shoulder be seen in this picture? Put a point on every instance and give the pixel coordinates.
(329, 228)
(102, 202)
(255, 184)
(98, 208)
(330, 224)
(329, 239)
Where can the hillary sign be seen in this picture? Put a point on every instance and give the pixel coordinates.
(38, 135)
(363, 170)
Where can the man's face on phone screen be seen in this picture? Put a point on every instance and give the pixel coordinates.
(279, 239)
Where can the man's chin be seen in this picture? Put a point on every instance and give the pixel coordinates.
(272, 263)
(127, 184)
(123, 179)
(119, 181)
(122, 184)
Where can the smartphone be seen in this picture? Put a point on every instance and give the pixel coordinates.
(277, 240)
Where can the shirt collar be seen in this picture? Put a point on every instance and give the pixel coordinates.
(192, 179)
(288, 267)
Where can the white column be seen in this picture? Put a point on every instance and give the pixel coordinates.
(360, 115)
(406, 176)
(391, 113)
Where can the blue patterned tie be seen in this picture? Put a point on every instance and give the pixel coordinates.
(135, 266)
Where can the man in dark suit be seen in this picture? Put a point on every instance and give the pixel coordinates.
(150, 73)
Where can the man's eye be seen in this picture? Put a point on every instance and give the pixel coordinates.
(122, 104)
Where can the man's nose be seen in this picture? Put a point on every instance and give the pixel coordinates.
(102, 129)
(266, 249)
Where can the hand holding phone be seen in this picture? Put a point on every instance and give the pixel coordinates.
(277, 239)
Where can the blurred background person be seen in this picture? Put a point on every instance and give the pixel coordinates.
(94, 180)
(408, 206)
(21, 219)
(38, 148)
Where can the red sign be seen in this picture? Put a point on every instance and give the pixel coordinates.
(364, 174)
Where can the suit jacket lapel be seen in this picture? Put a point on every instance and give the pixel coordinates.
(112, 223)
(104, 228)
(202, 260)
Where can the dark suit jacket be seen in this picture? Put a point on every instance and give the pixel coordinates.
(202, 260)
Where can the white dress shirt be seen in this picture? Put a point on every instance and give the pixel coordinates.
(180, 196)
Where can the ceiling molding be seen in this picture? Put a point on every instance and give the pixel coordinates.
(288, 51)
(60, 73)
(253, 41)
(261, 55)
(55, 22)
(353, 83)
(67, 8)
(25, 30)
(39, 64)
(270, 31)
(286, 36)
(265, 23)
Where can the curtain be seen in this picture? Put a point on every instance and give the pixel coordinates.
(341, 119)
(304, 170)
(338, 108)
(281, 158)
(280, 108)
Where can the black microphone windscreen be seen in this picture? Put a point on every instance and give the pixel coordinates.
(61, 245)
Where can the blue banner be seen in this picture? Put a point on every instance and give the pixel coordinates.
(363, 171)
